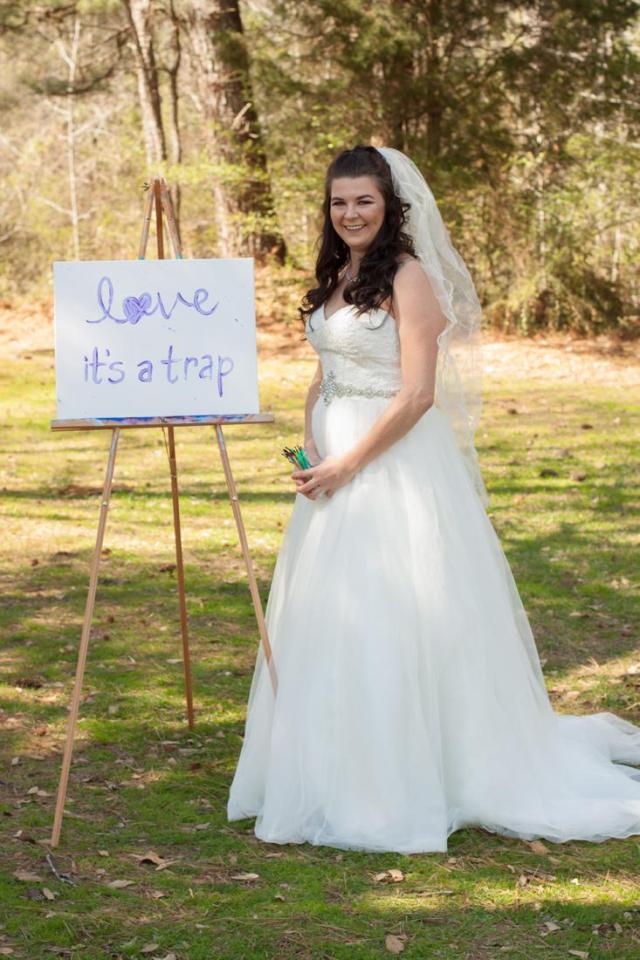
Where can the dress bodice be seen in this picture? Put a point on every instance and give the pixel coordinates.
(359, 353)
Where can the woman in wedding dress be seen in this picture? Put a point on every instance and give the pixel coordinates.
(404, 698)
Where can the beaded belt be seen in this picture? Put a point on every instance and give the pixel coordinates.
(330, 388)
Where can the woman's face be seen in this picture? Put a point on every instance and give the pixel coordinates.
(357, 211)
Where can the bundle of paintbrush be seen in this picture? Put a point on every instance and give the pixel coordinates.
(297, 457)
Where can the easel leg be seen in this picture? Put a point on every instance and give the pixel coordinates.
(184, 623)
(253, 586)
(84, 644)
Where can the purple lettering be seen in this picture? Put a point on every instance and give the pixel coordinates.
(199, 297)
(188, 361)
(163, 310)
(223, 371)
(145, 371)
(95, 364)
(134, 308)
(206, 371)
(169, 362)
(116, 367)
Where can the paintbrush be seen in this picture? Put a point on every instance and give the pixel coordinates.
(297, 457)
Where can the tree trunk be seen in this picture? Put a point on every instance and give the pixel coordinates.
(140, 13)
(433, 80)
(71, 139)
(242, 192)
(70, 57)
(172, 66)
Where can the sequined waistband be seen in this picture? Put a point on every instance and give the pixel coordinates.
(330, 388)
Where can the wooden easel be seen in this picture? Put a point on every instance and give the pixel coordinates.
(158, 198)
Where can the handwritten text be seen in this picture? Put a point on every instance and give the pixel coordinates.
(144, 305)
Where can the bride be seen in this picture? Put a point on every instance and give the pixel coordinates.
(403, 698)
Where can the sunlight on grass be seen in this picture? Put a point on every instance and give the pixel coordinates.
(141, 780)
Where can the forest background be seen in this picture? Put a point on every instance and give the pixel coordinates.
(523, 116)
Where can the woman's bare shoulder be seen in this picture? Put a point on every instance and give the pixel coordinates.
(405, 258)
(409, 273)
(401, 269)
(413, 291)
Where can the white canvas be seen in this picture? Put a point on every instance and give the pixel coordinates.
(152, 338)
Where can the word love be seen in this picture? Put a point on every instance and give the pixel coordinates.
(135, 308)
(100, 368)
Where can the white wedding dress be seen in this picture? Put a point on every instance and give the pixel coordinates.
(410, 699)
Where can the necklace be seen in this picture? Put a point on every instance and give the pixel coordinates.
(348, 276)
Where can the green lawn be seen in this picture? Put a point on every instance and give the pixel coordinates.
(142, 782)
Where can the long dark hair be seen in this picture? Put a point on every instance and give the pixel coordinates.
(374, 284)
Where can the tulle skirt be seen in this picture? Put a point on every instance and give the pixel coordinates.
(410, 700)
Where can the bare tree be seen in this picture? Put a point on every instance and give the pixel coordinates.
(172, 61)
(69, 54)
(148, 22)
(242, 189)
(139, 13)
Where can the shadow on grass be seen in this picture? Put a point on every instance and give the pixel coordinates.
(484, 894)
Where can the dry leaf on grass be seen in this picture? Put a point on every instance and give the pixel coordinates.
(152, 857)
(156, 894)
(389, 876)
(245, 876)
(149, 948)
(25, 837)
(49, 894)
(582, 954)
(6, 951)
(395, 943)
(26, 876)
(120, 884)
(537, 846)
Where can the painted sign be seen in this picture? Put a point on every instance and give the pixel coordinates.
(155, 338)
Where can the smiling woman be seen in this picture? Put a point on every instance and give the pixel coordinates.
(410, 698)
(357, 213)
(363, 239)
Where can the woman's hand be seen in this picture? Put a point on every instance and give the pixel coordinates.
(325, 477)
(312, 452)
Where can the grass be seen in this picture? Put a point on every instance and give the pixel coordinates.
(142, 782)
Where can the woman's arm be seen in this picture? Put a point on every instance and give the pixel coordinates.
(312, 395)
(420, 320)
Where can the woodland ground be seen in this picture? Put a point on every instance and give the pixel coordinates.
(157, 871)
